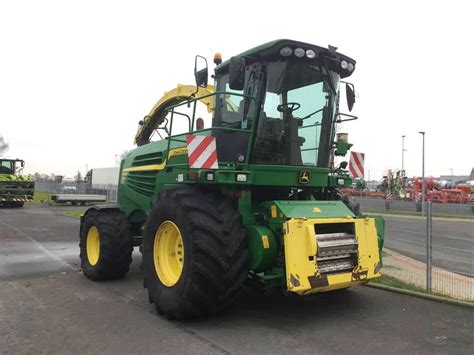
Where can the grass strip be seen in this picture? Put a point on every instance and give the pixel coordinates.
(392, 284)
(74, 214)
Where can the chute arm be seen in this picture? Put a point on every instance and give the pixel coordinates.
(177, 95)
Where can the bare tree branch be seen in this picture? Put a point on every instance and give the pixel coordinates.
(3, 146)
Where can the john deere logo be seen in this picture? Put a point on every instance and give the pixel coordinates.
(305, 176)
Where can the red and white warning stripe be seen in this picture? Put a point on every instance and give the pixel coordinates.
(202, 152)
(356, 165)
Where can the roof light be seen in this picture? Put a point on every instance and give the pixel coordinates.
(344, 64)
(350, 67)
(310, 54)
(299, 52)
(286, 51)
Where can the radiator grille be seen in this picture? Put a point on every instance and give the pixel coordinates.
(148, 159)
(142, 182)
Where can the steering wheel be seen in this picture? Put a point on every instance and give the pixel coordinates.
(289, 107)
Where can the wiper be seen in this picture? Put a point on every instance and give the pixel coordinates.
(311, 114)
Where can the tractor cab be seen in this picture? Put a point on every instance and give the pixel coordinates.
(11, 166)
(287, 93)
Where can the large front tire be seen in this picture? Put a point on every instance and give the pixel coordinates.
(194, 253)
(106, 245)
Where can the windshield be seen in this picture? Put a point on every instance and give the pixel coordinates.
(7, 167)
(295, 124)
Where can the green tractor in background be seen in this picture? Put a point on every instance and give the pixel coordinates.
(15, 188)
(254, 195)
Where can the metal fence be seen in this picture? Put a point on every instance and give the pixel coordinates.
(448, 209)
(432, 253)
(77, 188)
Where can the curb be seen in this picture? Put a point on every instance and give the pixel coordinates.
(422, 295)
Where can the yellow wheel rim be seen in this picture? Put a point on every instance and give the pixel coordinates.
(93, 245)
(168, 253)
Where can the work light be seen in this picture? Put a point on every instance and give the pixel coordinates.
(310, 54)
(286, 51)
(299, 52)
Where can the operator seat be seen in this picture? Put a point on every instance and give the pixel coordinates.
(268, 144)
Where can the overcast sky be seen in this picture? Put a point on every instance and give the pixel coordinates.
(77, 76)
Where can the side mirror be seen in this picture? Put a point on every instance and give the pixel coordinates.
(200, 71)
(237, 73)
(350, 96)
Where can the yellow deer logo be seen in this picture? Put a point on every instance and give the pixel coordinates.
(305, 176)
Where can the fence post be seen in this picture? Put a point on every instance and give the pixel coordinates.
(429, 225)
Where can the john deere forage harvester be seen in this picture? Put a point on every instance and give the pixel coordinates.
(252, 196)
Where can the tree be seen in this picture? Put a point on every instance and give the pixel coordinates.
(3, 146)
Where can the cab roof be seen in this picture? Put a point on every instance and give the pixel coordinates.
(271, 51)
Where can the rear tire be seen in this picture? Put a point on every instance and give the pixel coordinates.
(106, 245)
(213, 250)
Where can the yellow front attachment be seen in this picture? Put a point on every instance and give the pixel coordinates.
(330, 253)
(93, 245)
(168, 253)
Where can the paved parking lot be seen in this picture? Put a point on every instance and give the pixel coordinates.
(47, 306)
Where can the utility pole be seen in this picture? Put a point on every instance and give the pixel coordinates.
(403, 152)
(423, 186)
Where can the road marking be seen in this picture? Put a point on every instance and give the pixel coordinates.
(400, 216)
(434, 235)
(40, 247)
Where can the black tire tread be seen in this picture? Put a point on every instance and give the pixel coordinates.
(220, 254)
(115, 245)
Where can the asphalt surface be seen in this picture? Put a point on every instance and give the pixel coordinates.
(452, 241)
(47, 306)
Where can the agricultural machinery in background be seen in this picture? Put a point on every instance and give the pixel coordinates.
(395, 186)
(15, 188)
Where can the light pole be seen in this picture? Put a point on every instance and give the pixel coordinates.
(423, 188)
(403, 151)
